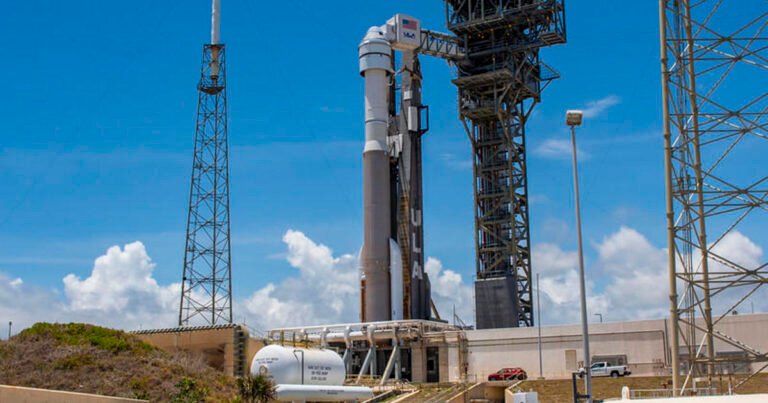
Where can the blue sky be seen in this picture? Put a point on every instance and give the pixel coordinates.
(98, 123)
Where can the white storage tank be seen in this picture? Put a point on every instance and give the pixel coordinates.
(299, 366)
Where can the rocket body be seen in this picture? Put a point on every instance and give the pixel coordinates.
(394, 285)
(376, 68)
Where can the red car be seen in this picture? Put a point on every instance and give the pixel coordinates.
(508, 374)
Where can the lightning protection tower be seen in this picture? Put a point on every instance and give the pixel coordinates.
(499, 83)
(206, 293)
(714, 64)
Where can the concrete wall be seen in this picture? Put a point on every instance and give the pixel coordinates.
(455, 365)
(645, 343)
(227, 348)
(418, 364)
(253, 346)
(443, 363)
(18, 394)
(751, 330)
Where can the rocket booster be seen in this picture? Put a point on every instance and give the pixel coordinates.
(375, 53)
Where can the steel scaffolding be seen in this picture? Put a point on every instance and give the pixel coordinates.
(499, 82)
(206, 296)
(407, 198)
(714, 64)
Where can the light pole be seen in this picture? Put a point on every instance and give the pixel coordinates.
(600, 315)
(573, 118)
(538, 321)
(10, 323)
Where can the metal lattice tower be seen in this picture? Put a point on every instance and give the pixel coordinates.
(206, 294)
(407, 188)
(499, 83)
(714, 63)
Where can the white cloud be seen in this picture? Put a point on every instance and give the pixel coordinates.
(555, 231)
(626, 280)
(454, 162)
(560, 297)
(121, 280)
(738, 249)
(731, 257)
(627, 250)
(24, 304)
(264, 310)
(550, 259)
(596, 108)
(624, 213)
(537, 198)
(331, 109)
(637, 270)
(449, 291)
(558, 149)
(623, 282)
(325, 289)
(119, 292)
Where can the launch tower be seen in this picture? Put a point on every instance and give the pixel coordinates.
(713, 55)
(206, 293)
(499, 83)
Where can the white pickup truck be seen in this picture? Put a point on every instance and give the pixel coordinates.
(602, 368)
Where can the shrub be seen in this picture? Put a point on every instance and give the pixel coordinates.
(140, 387)
(75, 334)
(189, 392)
(73, 361)
(256, 389)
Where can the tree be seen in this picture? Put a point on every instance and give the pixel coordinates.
(256, 388)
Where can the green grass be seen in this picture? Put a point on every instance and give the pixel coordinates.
(77, 334)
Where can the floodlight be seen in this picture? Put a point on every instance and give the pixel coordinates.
(574, 117)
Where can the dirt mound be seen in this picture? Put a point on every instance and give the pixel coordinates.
(92, 359)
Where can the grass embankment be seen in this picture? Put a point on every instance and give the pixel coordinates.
(92, 359)
(560, 391)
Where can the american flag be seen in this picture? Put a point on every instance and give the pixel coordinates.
(410, 24)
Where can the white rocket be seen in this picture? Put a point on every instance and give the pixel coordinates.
(380, 257)
(376, 67)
